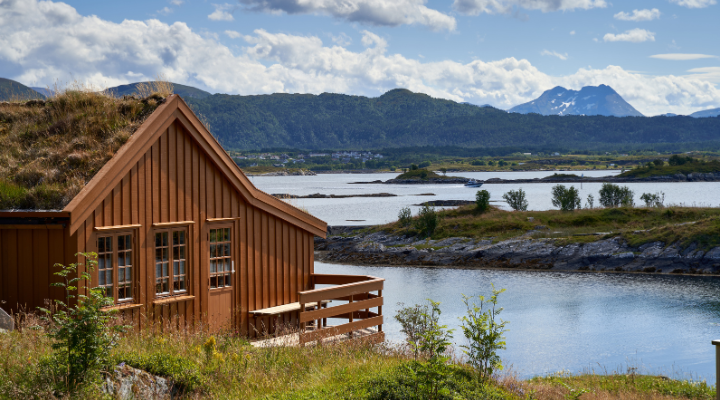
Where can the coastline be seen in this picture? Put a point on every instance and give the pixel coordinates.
(346, 245)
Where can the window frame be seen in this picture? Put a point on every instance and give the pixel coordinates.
(229, 274)
(172, 292)
(115, 264)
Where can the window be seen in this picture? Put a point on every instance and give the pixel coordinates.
(115, 265)
(220, 258)
(170, 260)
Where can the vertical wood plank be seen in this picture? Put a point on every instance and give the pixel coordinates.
(250, 282)
(41, 264)
(140, 216)
(286, 264)
(181, 161)
(125, 218)
(196, 230)
(243, 269)
(172, 173)
(10, 259)
(150, 214)
(272, 262)
(280, 298)
(135, 190)
(116, 211)
(164, 212)
(217, 193)
(258, 262)
(188, 178)
(155, 181)
(210, 190)
(56, 255)
(26, 274)
(203, 265)
(265, 262)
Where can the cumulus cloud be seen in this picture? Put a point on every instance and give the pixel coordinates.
(694, 3)
(223, 12)
(476, 7)
(176, 2)
(165, 11)
(44, 41)
(233, 34)
(572, 33)
(711, 74)
(681, 56)
(636, 35)
(554, 54)
(372, 12)
(638, 15)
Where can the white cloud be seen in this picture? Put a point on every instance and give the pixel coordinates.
(639, 15)
(223, 12)
(711, 74)
(233, 34)
(572, 33)
(681, 56)
(165, 11)
(373, 12)
(176, 2)
(41, 42)
(694, 3)
(475, 7)
(636, 35)
(554, 54)
(341, 40)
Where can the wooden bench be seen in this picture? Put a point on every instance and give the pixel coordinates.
(286, 308)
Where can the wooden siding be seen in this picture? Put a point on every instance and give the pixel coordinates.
(176, 181)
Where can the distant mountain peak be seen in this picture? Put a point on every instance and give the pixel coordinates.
(715, 112)
(590, 100)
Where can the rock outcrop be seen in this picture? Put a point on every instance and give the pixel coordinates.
(525, 252)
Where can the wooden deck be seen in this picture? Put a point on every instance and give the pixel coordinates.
(293, 339)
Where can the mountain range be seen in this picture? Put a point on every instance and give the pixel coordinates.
(590, 100)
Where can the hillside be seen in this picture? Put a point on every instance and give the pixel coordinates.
(590, 100)
(186, 92)
(715, 112)
(401, 118)
(11, 90)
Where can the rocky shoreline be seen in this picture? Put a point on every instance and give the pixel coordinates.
(348, 245)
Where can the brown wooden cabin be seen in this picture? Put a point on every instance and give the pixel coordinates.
(183, 237)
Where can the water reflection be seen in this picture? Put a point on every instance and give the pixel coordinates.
(573, 321)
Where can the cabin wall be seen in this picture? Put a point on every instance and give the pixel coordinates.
(27, 257)
(176, 181)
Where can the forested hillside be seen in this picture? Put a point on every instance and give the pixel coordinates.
(401, 118)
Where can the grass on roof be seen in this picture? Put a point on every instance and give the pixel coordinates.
(49, 150)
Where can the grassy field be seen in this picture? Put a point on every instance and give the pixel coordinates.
(226, 366)
(694, 167)
(684, 225)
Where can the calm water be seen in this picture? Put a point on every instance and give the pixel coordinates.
(558, 321)
(564, 321)
(385, 209)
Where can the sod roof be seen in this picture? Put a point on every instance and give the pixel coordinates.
(49, 150)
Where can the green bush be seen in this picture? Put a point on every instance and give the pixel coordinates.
(482, 201)
(427, 220)
(82, 336)
(516, 200)
(484, 332)
(566, 199)
(477, 162)
(653, 199)
(405, 217)
(612, 195)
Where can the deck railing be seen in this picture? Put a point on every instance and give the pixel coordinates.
(356, 290)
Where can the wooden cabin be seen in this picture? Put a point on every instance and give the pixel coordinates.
(183, 238)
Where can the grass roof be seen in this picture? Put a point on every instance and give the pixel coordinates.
(49, 150)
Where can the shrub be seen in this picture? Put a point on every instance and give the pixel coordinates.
(566, 199)
(484, 332)
(491, 163)
(502, 163)
(405, 217)
(482, 201)
(82, 335)
(612, 195)
(590, 201)
(680, 160)
(478, 162)
(424, 164)
(430, 375)
(653, 199)
(516, 200)
(427, 220)
(413, 167)
(658, 163)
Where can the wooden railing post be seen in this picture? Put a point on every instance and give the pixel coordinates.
(302, 324)
(716, 343)
(351, 316)
(380, 311)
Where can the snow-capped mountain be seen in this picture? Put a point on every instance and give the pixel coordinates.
(715, 112)
(590, 100)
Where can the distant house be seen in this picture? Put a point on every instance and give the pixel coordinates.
(182, 235)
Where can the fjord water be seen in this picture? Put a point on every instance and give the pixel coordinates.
(380, 210)
(573, 321)
(558, 321)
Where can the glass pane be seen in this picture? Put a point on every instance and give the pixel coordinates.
(182, 237)
(101, 262)
(158, 255)
(165, 270)
(121, 292)
(128, 242)
(176, 253)
(176, 239)
(213, 248)
(227, 249)
(212, 235)
(176, 268)
(176, 285)
(108, 244)
(213, 267)
(181, 256)
(158, 288)
(121, 243)
(128, 274)
(181, 284)
(213, 281)
(158, 239)
(182, 267)
(158, 270)
(227, 234)
(109, 277)
(101, 278)
(166, 287)
(165, 254)
(121, 260)
(101, 245)
(127, 258)
(227, 280)
(165, 239)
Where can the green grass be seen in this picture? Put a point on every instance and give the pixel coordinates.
(692, 167)
(580, 226)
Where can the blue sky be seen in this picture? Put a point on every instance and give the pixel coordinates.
(661, 56)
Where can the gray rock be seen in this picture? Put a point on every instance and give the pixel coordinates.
(131, 383)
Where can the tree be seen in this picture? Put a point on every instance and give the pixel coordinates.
(658, 163)
(482, 201)
(612, 195)
(484, 331)
(413, 167)
(405, 217)
(516, 200)
(444, 171)
(427, 220)
(653, 199)
(590, 201)
(566, 199)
